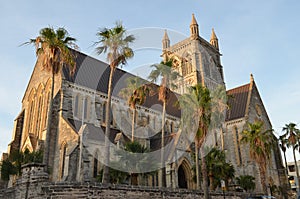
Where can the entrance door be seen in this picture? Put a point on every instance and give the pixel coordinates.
(182, 182)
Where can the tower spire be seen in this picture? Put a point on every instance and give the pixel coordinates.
(194, 28)
(214, 40)
(165, 41)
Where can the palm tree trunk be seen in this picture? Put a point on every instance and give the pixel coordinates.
(133, 124)
(204, 175)
(134, 179)
(211, 181)
(162, 170)
(197, 165)
(286, 169)
(297, 172)
(48, 130)
(262, 174)
(105, 178)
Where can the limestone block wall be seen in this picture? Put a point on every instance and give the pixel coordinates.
(34, 184)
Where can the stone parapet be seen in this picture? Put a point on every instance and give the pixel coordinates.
(97, 190)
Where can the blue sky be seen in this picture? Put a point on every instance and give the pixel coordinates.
(259, 37)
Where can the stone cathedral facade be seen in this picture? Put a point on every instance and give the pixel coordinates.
(79, 107)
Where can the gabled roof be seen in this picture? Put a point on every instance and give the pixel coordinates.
(237, 102)
(94, 74)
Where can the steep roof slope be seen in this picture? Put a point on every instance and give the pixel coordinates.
(237, 102)
(94, 74)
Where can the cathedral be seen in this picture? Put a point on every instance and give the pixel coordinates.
(78, 116)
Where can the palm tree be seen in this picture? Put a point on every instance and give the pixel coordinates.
(246, 182)
(196, 107)
(218, 168)
(283, 144)
(135, 93)
(135, 148)
(53, 49)
(227, 172)
(165, 71)
(260, 146)
(133, 158)
(115, 43)
(292, 134)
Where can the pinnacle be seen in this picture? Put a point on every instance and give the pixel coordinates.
(166, 37)
(213, 35)
(194, 22)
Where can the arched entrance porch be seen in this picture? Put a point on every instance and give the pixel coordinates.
(184, 174)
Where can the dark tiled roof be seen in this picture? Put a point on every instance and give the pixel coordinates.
(95, 133)
(155, 141)
(237, 101)
(94, 74)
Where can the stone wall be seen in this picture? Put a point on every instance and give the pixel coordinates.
(34, 184)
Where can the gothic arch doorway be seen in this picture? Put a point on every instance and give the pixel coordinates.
(182, 182)
(184, 175)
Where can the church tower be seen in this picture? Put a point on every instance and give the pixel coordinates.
(195, 59)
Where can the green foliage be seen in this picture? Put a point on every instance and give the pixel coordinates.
(218, 168)
(132, 159)
(164, 71)
(135, 91)
(292, 134)
(53, 47)
(115, 176)
(196, 111)
(7, 168)
(115, 43)
(219, 106)
(261, 143)
(247, 182)
(135, 147)
(12, 165)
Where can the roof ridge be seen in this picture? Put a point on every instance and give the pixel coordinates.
(248, 84)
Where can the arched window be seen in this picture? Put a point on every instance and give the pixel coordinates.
(104, 111)
(172, 127)
(86, 108)
(167, 126)
(76, 106)
(31, 116)
(112, 112)
(39, 115)
(46, 107)
(238, 147)
(154, 121)
(63, 159)
(95, 167)
(148, 119)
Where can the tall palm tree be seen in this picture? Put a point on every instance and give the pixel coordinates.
(260, 147)
(135, 92)
(115, 43)
(53, 49)
(293, 135)
(196, 107)
(283, 144)
(168, 75)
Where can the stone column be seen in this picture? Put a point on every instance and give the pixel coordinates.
(31, 182)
